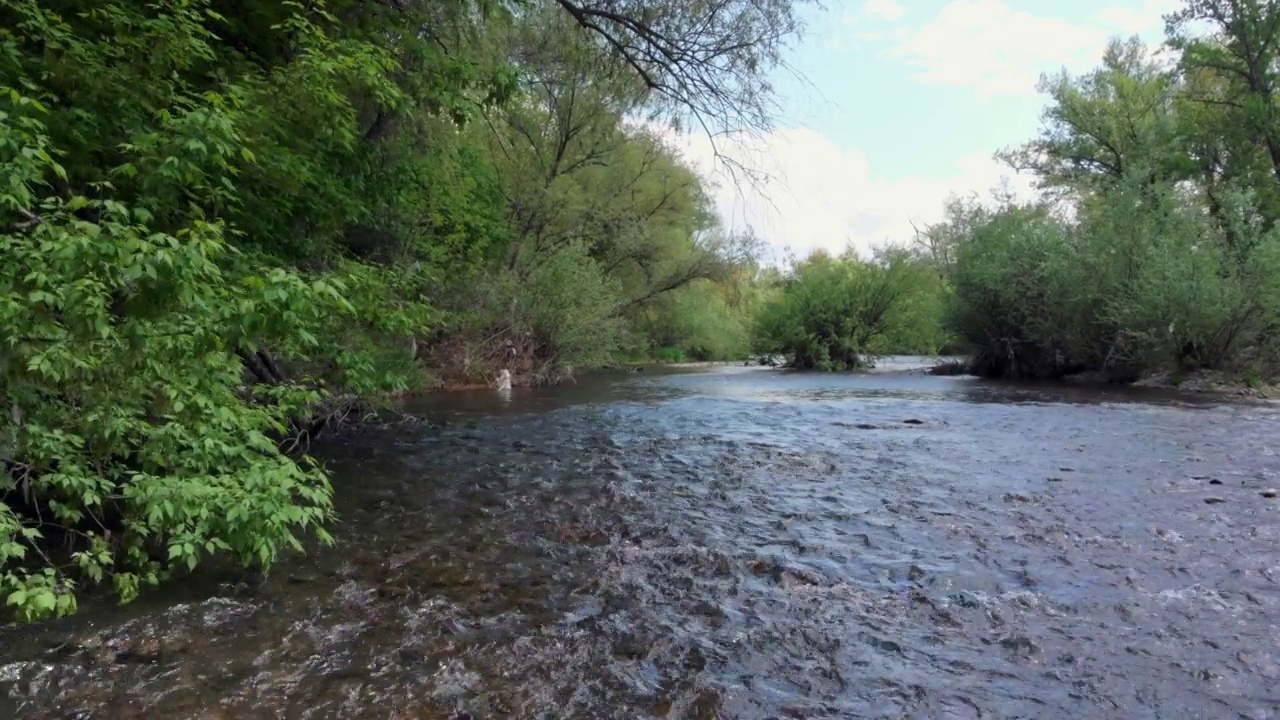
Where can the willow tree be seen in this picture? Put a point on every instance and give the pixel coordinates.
(705, 60)
(605, 218)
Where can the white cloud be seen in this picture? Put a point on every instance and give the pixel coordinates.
(819, 196)
(874, 21)
(996, 50)
(1146, 20)
(888, 10)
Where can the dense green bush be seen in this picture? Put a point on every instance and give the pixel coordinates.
(838, 314)
(1142, 279)
(697, 323)
(917, 323)
(560, 315)
(1004, 306)
(128, 438)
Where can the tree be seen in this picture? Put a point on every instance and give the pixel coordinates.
(839, 313)
(704, 60)
(227, 225)
(1099, 126)
(1226, 106)
(581, 181)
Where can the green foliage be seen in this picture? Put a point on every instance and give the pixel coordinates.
(669, 355)
(126, 427)
(1098, 126)
(609, 230)
(1001, 276)
(1143, 279)
(1172, 179)
(222, 220)
(540, 323)
(837, 314)
(917, 326)
(567, 306)
(146, 211)
(701, 321)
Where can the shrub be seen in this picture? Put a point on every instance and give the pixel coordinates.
(1144, 278)
(539, 322)
(129, 446)
(837, 314)
(698, 323)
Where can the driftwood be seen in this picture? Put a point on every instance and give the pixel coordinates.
(262, 368)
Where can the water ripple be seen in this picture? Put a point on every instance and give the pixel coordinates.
(737, 544)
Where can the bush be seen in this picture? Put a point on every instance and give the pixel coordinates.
(129, 446)
(697, 323)
(837, 314)
(1003, 304)
(540, 322)
(1143, 279)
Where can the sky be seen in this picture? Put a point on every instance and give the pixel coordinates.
(890, 106)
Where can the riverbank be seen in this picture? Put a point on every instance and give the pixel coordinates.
(1200, 382)
(443, 384)
(1211, 382)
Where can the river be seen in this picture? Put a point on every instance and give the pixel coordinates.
(734, 542)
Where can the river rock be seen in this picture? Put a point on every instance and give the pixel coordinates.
(796, 577)
(1270, 493)
(1019, 645)
(1213, 500)
(13, 672)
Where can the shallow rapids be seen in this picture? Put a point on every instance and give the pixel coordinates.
(735, 543)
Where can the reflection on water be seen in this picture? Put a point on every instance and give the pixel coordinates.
(736, 542)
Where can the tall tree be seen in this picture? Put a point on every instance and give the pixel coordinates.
(1102, 124)
(704, 60)
(1243, 50)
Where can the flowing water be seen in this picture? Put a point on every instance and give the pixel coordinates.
(735, 543)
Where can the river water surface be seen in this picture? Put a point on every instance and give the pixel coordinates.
(735, 543)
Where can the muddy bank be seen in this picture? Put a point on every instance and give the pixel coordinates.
(1204, 381)
(737, 543)
(1196, 381)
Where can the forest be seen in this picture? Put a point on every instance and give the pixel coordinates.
(228, 225)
